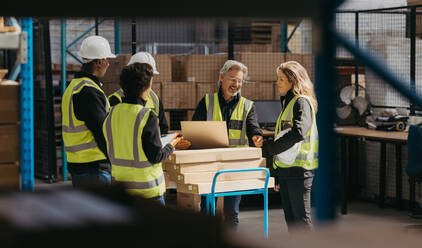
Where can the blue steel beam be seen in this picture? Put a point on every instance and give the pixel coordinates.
(63, 54)
(116, 36)
(27, 112)
(83, 35)
(327, 176)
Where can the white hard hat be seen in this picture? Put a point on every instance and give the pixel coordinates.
(144, 57)
(95, 47)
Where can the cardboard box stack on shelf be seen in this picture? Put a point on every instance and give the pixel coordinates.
(112, 77)
(197, 67)
(193, 170)
(9, 135)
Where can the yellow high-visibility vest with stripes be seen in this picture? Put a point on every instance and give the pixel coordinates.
(153, 102)
(123, 129)
(79, 142)
(237, 122)
(307, 156)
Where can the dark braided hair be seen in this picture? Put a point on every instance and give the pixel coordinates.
(135, 79)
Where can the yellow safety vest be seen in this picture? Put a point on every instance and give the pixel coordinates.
(307, 157)
(153, 102)
(123, 129)
(237, 123)
(79, 142)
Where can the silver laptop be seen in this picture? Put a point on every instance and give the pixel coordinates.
(205, 134)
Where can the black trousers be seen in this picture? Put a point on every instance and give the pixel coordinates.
(295, 191)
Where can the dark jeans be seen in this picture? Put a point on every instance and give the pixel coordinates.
(160, 200)
(231, 209)
(81, 179)
(295, 191)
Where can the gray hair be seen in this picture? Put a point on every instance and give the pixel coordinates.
(233, 64)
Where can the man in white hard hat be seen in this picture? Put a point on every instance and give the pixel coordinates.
(153, 101)
(84, 108)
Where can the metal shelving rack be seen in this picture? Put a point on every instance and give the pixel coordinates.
(22, 42)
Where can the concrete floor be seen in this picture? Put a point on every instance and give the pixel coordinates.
(361, 215)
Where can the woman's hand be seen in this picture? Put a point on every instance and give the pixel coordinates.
(258, 140)
(277, 187)
(183, 144)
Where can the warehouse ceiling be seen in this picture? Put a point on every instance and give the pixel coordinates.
(163, 8)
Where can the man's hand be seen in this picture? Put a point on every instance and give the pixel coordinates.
(277, 187)
(258, 140)
(183, 144)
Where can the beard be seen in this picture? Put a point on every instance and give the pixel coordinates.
(232, 94)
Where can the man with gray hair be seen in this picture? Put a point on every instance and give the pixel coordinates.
(239, 113)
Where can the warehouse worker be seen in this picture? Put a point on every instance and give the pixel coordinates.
(295, 148)
(84, 108)
(133, 137)
(239, 113)
(153, 101)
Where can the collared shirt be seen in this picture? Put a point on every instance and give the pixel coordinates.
(227, 108)
(151, 142)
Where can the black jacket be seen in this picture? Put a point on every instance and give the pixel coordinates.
(89, 106)
(302, 122)
(151, 142)
(164, 128)
(227, 108)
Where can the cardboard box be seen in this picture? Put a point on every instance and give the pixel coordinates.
(9, 143)
(225, 186)
(110, 88)
(216, 154)
(173, 168)
(170, 184)
(114, 70)
(413, 2)
(258, 90)
(178, 95)
(163, 64)
(9, 176)
(262, 66)
(156, 87)
(9, 102)
(205, 88)
(207, 177)
(192, 202)
(276, 92)
(308, 61)
(199, 68)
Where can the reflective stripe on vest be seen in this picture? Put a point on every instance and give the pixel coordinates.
(118, 94)
(131, 166)
(153, 102)
(237, 122)
(308, 152)
(80, 145)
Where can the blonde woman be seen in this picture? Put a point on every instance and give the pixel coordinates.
(295, 145)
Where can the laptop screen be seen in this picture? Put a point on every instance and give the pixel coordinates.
(267, 112)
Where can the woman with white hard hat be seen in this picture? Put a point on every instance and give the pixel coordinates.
(84, 108)
(153, 102)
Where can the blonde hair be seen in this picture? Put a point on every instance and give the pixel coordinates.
(301, 83)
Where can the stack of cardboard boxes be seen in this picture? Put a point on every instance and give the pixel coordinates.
(194, 170)
(9, 135)
(185, 79)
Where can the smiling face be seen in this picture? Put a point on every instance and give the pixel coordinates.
(283, 83)
(231, 82)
